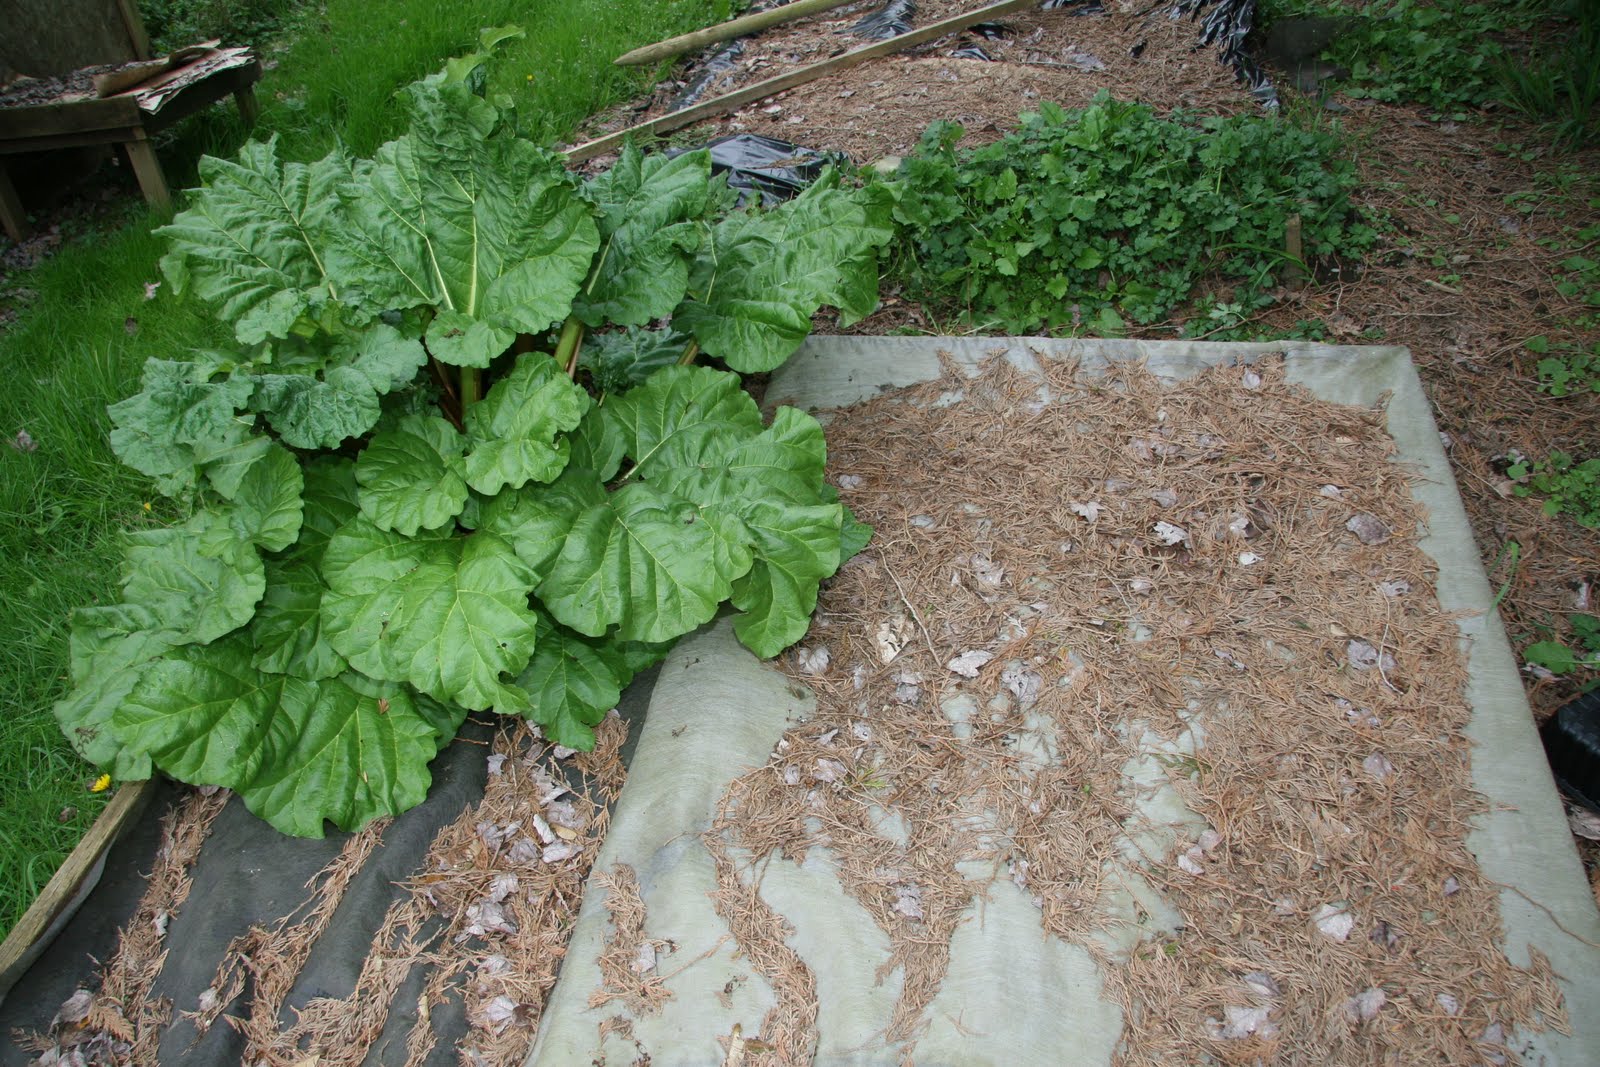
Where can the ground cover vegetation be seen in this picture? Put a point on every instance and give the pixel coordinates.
(1081, 219)
(94, 309)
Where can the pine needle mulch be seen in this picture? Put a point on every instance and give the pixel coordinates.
(486, 915)
(1222, 573)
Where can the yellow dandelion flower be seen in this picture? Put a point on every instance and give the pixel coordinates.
(102, 783)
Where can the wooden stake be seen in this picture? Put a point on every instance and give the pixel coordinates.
(740, 27)
(762, 89)
(1294, 273)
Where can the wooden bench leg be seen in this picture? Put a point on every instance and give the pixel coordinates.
(147, 168)
(246, 99)
(12, 217)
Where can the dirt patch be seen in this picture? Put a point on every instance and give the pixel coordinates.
(881, 107)
(1211, 588)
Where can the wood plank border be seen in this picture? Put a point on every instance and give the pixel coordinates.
(25, 939)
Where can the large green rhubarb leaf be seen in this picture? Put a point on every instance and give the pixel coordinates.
(681, 416)
(298, 752)
(287, 628)
(480, 226)
(535, 519)
(196, 582)
(447, 614)
(256, 239)
(413, 477)
(156, 431)
(267, 507)
(202, 714)
(331, 500)
(308, 411)
(621, 360)
(359, 751)
(512, 433)
(797, 547)
(572, 681)
(752, 298)
(645, 562)
(109, 647)
(648, 207)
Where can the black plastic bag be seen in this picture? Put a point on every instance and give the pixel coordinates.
(764, 166)
(1572, 744)
(972, 51)
(1226, 24)
(1080, 7)
(890, 20)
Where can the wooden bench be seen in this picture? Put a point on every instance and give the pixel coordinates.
(115, 120)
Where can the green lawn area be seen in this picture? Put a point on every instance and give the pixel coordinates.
(80, 344)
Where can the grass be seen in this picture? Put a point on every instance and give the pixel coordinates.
(80, 343)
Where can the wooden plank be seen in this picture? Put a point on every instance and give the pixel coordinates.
(147, 168)
(24, 940)
(12, 218)
(739, 27)
(136, 35)
(762, 89)
(74, 117)
(50, 143)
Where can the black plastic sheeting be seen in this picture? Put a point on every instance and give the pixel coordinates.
(1225, 24)
(1572, 744)
(248, 873)
(718, 62)
(890, 20)
(972, 51)
(1079, 7)
(773, 169)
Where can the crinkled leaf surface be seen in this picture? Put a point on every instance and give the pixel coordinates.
(681, 416)
(751, 299)
(413, 477)
(360, 750)
(298, 752)
(481, 226)
(535, 519)
(256, 239)
(202, 714)
(109, 646)
(447, 614)
(620, 360)
(156, 430)
(643, 561)
(308, 411)
(571, 682)
(331, 500)
(512, 432)
(287, 629)
(648, 207)
(192, 595)
(797, 547)
(267, 507)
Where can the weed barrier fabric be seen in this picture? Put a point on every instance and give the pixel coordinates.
(698, 916)
(246, 874)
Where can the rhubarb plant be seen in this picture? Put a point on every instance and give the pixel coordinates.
(466, 455)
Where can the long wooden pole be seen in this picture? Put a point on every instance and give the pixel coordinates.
(739, 27)
(760, 90)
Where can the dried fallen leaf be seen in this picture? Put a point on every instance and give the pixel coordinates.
(1363, 657)
(644, 958)
(829, 770)
(970, 662)
(1023, 684)
(1369, 528)
(24, 442)
(813, 661)
(1089, 512)
(74, 1009)
(1378, 766)
(1584, 823)
(908, 901)
(497, 762)
(1169, 534)
(1365, 1005)
(558, 852)
(892, 636)
(1239, 1023)
(1248, 559)
(1334, 921)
